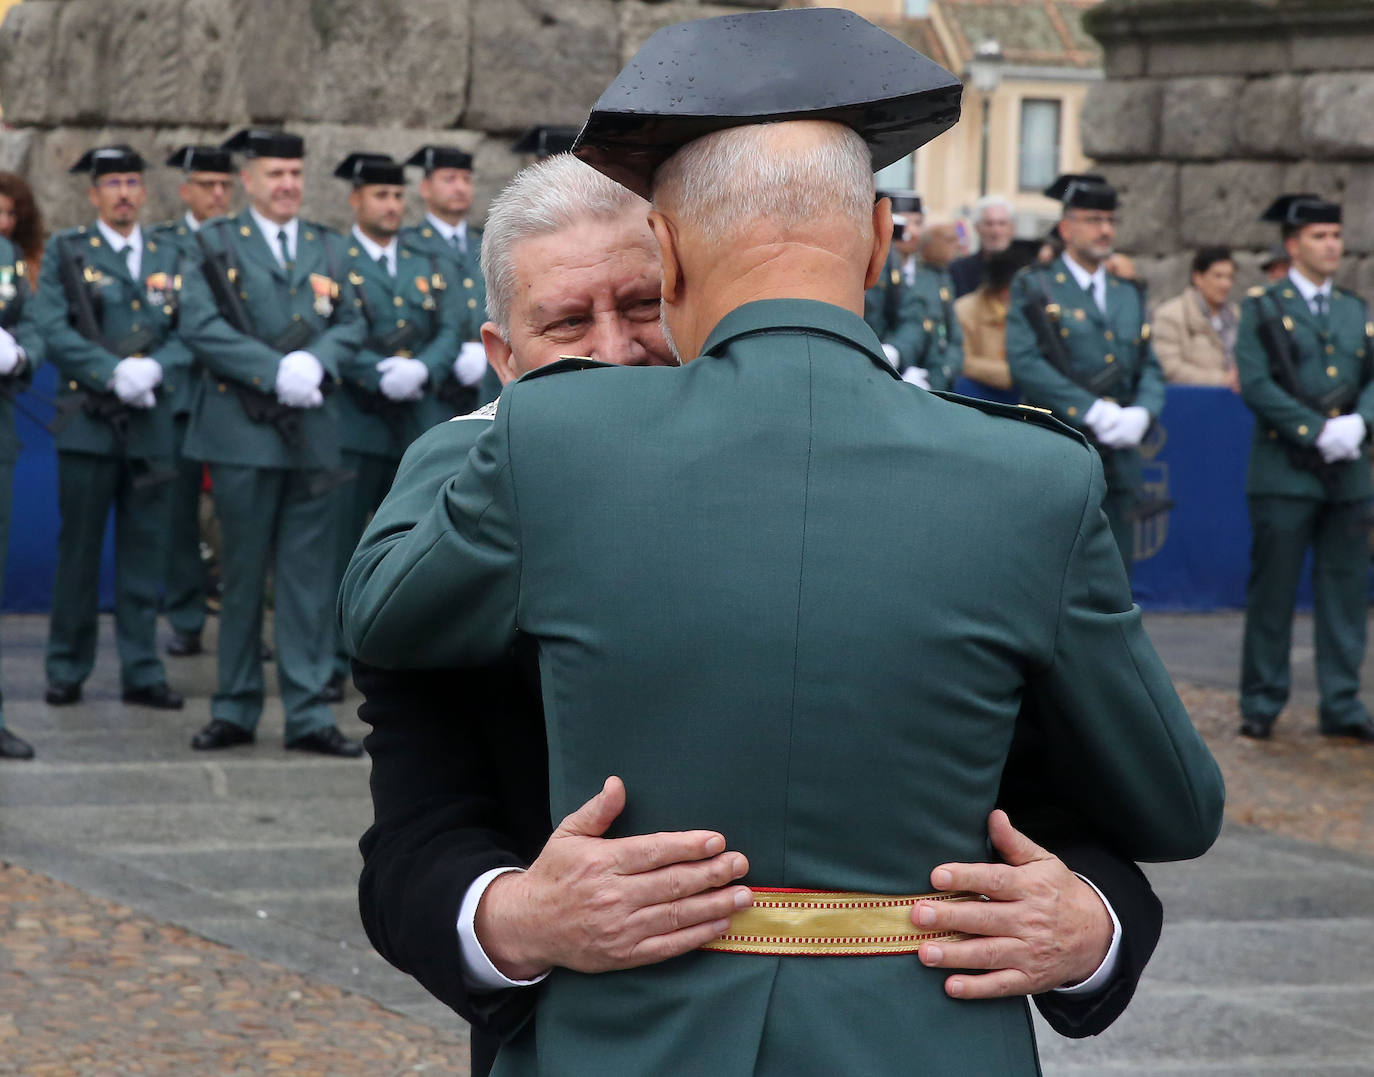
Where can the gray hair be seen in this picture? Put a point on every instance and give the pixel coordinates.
(544, 198)
(735, 176)
(990, 201)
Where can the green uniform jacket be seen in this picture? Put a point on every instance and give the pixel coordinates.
(177, 234)
(1332, 359)
(1120, 338)
(927, 333)
(691, 551)
(418, 298)
(16, 315)
(219, 431)
(125, 306)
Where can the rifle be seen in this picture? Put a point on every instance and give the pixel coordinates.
(1276, 337)
(398, 341)
(1044, 322)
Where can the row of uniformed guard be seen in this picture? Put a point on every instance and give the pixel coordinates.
(1078, 345)
(294, 362)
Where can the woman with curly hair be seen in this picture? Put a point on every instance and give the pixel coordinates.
(21, 222)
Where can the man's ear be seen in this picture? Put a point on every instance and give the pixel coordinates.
(666, 234)
(499, 355)
(882, 241)
(94, 196)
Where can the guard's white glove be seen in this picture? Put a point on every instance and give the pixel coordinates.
(11, 354)
(1129, 428)
(402, 378)
(1102, 418)
(299, 375)
(1340, 438)
(916, 375)
(134, 380)
(894, 357)
(471, 364)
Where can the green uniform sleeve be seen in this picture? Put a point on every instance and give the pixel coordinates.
(403, 584)
(173, 355)
(79, 359)
(1121, 741)
(223, 349)
(1042, 384)
(1283, 412)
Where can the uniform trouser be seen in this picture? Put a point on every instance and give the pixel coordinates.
(184, 604)
(1282, 529)
(87, 485)
(266, 513)
(6, 499)
(360, 500)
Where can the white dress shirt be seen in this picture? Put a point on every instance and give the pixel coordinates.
(1310, 291)
(450, 231)
(117, 244)
(1096, 282)
(191, 222)
(375, 250)
(269, 230)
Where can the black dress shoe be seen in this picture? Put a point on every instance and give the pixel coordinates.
(1254, 728)
(220, 734)
(155, 695)
(60, 694)
(184, 644)
(333, 690)
(12, 747)
(327, 741)
(1363, 732)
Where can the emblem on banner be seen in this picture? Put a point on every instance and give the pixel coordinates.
(1151, 533)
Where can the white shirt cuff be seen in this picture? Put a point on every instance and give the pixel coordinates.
(1107, 969)
(478, 971)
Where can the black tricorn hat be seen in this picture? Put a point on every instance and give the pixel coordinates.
(431, 157)
(361, 169)
(762, 67)
(103, 160)
(1082, 190)
(201, 159)
(1299, 209)
(544, 140)
(258, 142)
(903, 201)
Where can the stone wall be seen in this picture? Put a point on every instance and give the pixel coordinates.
(386, 75)
(1210, 110)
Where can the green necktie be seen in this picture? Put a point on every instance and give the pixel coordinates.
(285, 250)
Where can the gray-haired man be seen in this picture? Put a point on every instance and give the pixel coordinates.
(992, 221)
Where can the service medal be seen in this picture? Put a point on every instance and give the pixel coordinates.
(325, 293)
(157, 285)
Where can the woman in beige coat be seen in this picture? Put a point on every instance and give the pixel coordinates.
(1195, 333)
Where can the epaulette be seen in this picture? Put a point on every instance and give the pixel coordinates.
(1257, 291)
(565, 363)
(1025, 413)
(486, 411)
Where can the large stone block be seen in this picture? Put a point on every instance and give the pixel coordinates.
(16, 147)
(1120, 119)
(76, 76)
(367, 47)
(1331, 52)
(280, 49)
(1221, 203)
(1248, 272)
(1164, 277)
(1266, 117)
(638, 21)
(142, 61)
(28, 38)
(1197, 118)
(1149, 207)
(1334, 116)
(1191, 56)
(1349, 185)
(538, 61)
(214, 75)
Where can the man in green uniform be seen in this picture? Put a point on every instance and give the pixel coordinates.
(107, 308)
(412, 339)
(1078, 344)
(445, 235)
(1304, 353)
(21, 350)
(928, 339)
(883, 302)
(266, 318)
(206, 188)
(689, 538)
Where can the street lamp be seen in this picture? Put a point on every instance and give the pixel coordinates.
(985, 73)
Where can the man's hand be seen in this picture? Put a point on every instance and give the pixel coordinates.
(595, 904)
(1044, 927)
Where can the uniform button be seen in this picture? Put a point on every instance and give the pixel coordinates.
(293, 291)
(1331, 372)
(472, 303)
(467, 282)
(1109, 358)
(1073, 411)
(400, 323)
(222, 388)
(243, 295)
(257, 381)
(72, 386)
(1333, 413)
(1108, 335)
(1302, 430)
(398, 301)
(295, 317)
(135, 305)
(1062, 332)
(1330, 349)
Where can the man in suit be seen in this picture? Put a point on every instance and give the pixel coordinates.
(730, 703)
(206, 188)
(459, 779)
(1078, 344)
(107, 306)
(265, 316)
(1305, 354)
(21, 351)
(444, 234)
(412, 327)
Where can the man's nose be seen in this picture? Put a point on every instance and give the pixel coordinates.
(615, 342)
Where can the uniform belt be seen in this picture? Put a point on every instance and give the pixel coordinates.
(824, 923)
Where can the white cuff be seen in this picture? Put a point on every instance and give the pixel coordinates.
(478, 971)
(1107, 969)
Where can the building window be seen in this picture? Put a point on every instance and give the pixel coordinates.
(916, 9)
(1039, 151)
(900, 175)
